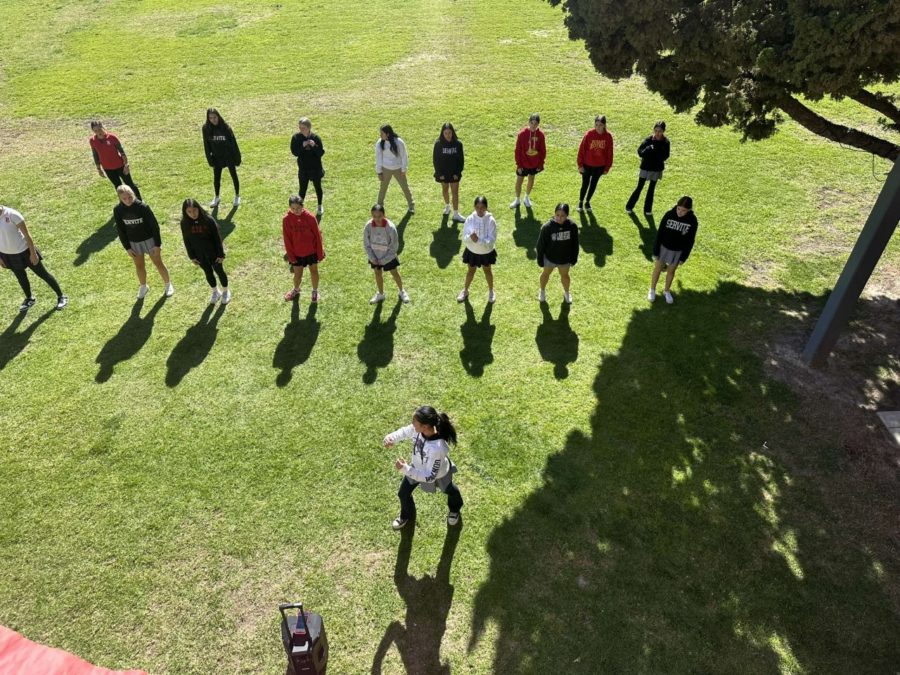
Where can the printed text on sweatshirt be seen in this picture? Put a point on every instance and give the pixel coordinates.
(676, 234)
(136, 223)
(381, 242)
(558, 243)
(430, 461)
(596, 150)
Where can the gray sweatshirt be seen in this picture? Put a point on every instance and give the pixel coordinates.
(381, 243)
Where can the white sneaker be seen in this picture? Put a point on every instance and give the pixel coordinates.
(651, 294)
(515, 203)
(458, 218)
(542, 295)
(527, 201)
(579, 208)
(215, 202)
(463, 294)
(170, 290)
(320, 210)
(446, 209)
(629, 211)
(237, 201)
(142, 291)
(492, 297)
(399, 522)
(669, 298)
(648, 213)
(404, 296)
(453, 518)
(567, 297)
(226, 296)
(214, 298)
(411, 209)
(378, 297)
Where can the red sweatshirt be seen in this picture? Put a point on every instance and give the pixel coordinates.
(107, 152)
(531, 150)
(302, 236)
(596, 150)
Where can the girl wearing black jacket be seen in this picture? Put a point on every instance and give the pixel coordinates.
(221, 152)
(204, 246)
(653, 151)
(557, 248)
(448, 167)
(673, 244)
(308, 149)
(139, 233)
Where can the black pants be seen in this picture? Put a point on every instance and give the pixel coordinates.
(217, 179)
(589, 179)
(408, 505)
(304, 185)
(209, 266)
(41, 271)
(648, 200)
(118, 177)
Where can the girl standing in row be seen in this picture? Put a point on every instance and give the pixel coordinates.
(391, 161)
(110, 158)
(139, 233)
(431, 433)
(479, 235)
(531, 151)
(308, 149)
(205, 248)
(653, 151)
(18, 254)
(674, 242)
(557, 248)
(381, 243)
(222, 152)
(448, 167)
(303, 245)
(595, 159)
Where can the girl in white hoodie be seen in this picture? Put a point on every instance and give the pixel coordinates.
(479, 236)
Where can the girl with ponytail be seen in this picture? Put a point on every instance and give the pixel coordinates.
(431, 433)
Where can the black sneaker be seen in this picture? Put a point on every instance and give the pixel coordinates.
(62, 301)
(28, 304)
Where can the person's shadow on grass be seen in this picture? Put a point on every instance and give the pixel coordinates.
(557, 343)
(595, 240)
(376, 349)
(96, 242)
(648, 234)
(195, 346)
(12, 342)
(477, 337)
(401, 228)
(295, 348)
(526, 233)
(428, 601)
(226, 224)
(446, 242)
(132, 336)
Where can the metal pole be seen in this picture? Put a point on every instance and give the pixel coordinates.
(865, 255)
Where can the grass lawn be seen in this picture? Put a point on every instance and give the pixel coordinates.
(648, 488)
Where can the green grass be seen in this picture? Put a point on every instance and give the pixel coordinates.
(173, 473)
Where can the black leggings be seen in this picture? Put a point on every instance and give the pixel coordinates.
(408, 506)
(304, 185)
(118, 177)
(210, 266)
(217, 179)
(589, 179)
(648, 200)
(40, 271)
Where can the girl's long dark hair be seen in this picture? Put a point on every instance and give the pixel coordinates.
(202, 216)
(446, 126)
(440, 421)
(222, 123)
(391, 137)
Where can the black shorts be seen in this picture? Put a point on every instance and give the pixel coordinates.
(479, 259)
(447, 179)
(527, 172)
(19, 261)
(591, 171)
(305, 261)
(387, 267)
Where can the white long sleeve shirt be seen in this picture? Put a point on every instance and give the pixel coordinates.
(430, 462)
(486, 229)
(385, 159)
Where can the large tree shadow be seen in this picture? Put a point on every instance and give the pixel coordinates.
(595, 240)
(401, 228)
(557, 343)
(526, 233)
(13, 342)
(477, 336)
(685, 531)
(428, 601)
(376, 349)
(296, 346)
(648, 234)
(132, 336)
(446, 242)
(195, 346)
(96, 242)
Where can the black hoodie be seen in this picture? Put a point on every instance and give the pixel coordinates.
(202, 239)
(448, 159)
(558, 243)
(676, 234)
(653, 153)
(136, 223)
(309, 159)
(220, 145)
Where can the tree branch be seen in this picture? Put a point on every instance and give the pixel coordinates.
(837, 132)
(877, 102)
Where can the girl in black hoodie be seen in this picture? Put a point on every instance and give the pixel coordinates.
(674, 242)
(448, 167)
(221, 151)
(308, 149)
(653, 151)
(204, 246)
(557, 247)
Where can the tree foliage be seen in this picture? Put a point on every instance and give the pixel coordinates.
(744, 62)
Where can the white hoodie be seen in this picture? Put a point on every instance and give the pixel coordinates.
(486, 229)
(430, 462)
(385, 159)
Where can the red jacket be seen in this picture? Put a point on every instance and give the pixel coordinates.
(596, 150)
(531, 149)
(302, 236)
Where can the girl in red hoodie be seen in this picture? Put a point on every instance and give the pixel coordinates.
(595, 158)
(303, 245)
